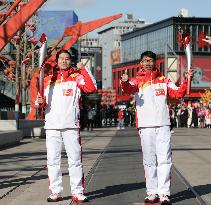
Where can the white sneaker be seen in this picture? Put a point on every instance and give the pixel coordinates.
(118, 128)
(79, 198)
(172, 131)
(54, 197)
(164, 199)
(151, 199)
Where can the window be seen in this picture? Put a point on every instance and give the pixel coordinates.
(119, 75)
(114, 76)
(133, 73)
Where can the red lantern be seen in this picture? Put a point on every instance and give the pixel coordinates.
(11, 63)
(11, 76)
(10, 69)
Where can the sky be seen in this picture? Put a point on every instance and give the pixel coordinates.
(149, 10)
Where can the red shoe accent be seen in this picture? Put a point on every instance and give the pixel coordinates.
(77, 200)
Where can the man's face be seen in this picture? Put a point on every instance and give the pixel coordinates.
(64, 61)
(148, 63)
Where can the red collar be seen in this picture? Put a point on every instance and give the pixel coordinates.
(65, 73)
(151, 75)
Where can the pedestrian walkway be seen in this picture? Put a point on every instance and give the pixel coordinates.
(113, 169)
(23, 175)
(119, 176)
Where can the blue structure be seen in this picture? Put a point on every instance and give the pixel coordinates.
(53, 23)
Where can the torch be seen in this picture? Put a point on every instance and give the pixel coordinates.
(42, 56)
(188, 52)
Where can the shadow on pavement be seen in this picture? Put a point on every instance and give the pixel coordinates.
(187, 194)
(113, 190)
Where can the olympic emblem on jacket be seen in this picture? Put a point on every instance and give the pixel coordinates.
(68, 92)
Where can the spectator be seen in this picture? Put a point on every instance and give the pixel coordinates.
(91, 118)
(120, 119)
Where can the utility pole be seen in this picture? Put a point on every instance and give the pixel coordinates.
(23, 76)
(17, 74)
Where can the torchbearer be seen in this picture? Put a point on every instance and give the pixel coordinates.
(151, 90)
(62, 95)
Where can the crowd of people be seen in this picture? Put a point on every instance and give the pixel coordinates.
(95, 117)
(195, 115)
(181, 115)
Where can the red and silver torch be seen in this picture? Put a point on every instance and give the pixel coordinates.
(42, 56)
(188, 52)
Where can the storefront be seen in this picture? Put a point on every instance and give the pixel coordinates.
(165, 39)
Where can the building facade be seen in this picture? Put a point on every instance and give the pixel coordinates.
(110, 41)
(165, 39)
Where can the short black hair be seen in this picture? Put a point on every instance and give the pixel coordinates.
(149, 54)
(62, 51)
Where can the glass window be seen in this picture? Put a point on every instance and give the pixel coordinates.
(128, 72)
(133, 73)
(119, 91)
(119, 75)
(114, 75)
(200, 29)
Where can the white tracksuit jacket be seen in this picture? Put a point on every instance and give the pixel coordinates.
(62, 96)
(151, 92)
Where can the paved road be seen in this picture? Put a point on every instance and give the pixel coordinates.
(192, 158)
(119, 177)
(113, 168)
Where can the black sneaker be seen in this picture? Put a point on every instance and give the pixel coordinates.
(151, 199)
(164, 199)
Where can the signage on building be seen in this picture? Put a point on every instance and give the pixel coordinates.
(202, 72)
(115, 56)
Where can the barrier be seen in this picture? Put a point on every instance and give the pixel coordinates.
(29, 128)
(11, 137)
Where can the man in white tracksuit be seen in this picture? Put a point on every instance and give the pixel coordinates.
(62, 92)
(151, 90)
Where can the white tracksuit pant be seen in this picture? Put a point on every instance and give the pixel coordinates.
(157, 159)
(54, 142)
